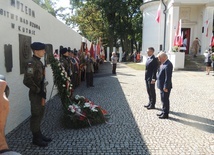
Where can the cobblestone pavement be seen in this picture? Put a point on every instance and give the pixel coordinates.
(132, 129)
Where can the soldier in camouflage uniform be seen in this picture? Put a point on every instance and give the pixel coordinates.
(34, 79)
(75, 69)
(65, 61)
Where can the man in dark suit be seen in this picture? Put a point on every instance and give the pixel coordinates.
(164, 83)
(150, 77)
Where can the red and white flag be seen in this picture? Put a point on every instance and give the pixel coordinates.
(158, 13)
(178, 40)
(207, 25)
(212, 42)
(91, 51)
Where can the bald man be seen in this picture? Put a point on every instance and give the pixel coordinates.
(164, 83)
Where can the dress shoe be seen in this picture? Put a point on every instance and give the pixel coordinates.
(159, 114)
(151, 107)
(46, 139)
(37, 140)
(146, 106)
(164, 117)
(40, 143)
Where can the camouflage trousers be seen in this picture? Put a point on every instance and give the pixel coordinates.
(37, 112)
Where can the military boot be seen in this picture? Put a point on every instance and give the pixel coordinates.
(44, 138)
(37, 140)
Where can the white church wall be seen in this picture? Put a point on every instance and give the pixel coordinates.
(207, 35)
(152, 30)
(28, 19)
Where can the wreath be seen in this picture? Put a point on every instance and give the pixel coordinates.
(79, 111)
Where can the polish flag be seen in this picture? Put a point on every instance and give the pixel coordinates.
(91, 51)
(207, 25)
(158, 13)
(178, 40)
(86, 50)
(212, 42)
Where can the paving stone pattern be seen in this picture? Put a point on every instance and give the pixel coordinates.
(132, 129)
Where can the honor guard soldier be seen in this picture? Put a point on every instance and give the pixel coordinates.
(34, 79)
(74, 69)
(65, 61)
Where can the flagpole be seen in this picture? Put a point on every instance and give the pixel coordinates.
(165, 17)
(159, 38)
(158, 15)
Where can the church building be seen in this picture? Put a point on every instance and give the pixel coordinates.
(164, 21)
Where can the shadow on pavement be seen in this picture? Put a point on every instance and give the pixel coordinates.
(120, 136)
(199, 122)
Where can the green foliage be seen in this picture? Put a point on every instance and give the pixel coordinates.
(47, 5)
(212, 57)
(89, 21)
(112, 20)
(118, 22)
(62, 82)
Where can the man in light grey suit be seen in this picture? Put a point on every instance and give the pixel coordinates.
(164, 83)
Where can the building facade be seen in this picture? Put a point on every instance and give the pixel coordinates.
(192, 18)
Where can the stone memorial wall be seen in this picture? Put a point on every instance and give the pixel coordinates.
(23, 22)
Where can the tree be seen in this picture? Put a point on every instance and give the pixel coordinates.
(118, 22)
(50, 7)
(121, 21)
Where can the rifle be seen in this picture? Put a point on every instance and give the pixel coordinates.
(43, 91)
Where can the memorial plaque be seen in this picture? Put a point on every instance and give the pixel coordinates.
(25, 52)
(48, 53)
(8, 57)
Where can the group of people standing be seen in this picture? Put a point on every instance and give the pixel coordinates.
(135, 57)
(78, 65)
(158, 69)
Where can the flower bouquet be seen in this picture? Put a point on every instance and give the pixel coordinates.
(175, 49)
(83, 113)
(212, 57)
(79, 111)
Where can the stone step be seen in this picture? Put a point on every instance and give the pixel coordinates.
(194, 63)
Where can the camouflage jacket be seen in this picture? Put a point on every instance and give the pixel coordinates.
(66, 63)
(34, 75)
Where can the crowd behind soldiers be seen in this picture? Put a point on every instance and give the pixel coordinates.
(79, 66)
(132, 57)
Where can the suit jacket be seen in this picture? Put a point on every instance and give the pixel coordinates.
(151, 68)
(164, 77)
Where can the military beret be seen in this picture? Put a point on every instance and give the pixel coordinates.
(69, 49)
(63, 50)
(72, 51)
(75, 52)
(37, 46)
